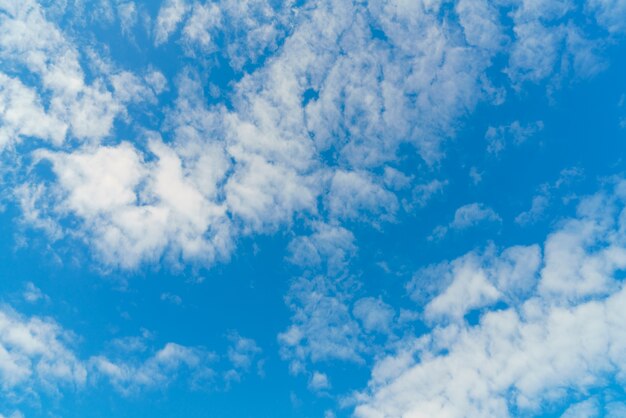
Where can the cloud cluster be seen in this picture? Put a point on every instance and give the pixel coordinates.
(557, 336)
(313, 130)
(30, 43)
(39, 357)
(36, 354)
(322, 326)
(241, 32)
(325, 98)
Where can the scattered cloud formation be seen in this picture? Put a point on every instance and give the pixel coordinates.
(306, 132)
(36, 354)
(563, 336)
(165, 137)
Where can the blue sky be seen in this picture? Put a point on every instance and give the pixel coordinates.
(278, 208)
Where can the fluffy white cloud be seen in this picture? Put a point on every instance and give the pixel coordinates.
(450, 290)
(29, 40)
(564, 338)
(23, 116)
(36, 354)
(58, 96)
(133, 211)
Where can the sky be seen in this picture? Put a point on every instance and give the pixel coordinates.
(292, 208)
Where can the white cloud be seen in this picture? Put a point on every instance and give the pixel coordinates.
(584, 409)
(38, 357)
(449, 290)
(374, 314)
(242, 351)
(330, 245)
(549, 43)
(127, 12)
(241, 31)
(470, 289)
(615, 410)
(535, 51)
(310, 131)
(562, 340)
(352, 194)
(170, 15)
(202, 19)
(466, 216)
(266, 195)
(156, 371)
(609, 13)
(157, 81)
(319, 381)
(537, 208)
(516, 132)
(322, 327)
(134, 211)
(481, 24)
(422, 193)
(36, 354)
(546, 191)
(33, 294)
(471, 214)
(475, 175)
(32, 45)
(23, 115)
(576, 266)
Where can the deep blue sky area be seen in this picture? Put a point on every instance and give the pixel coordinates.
(312, 209)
